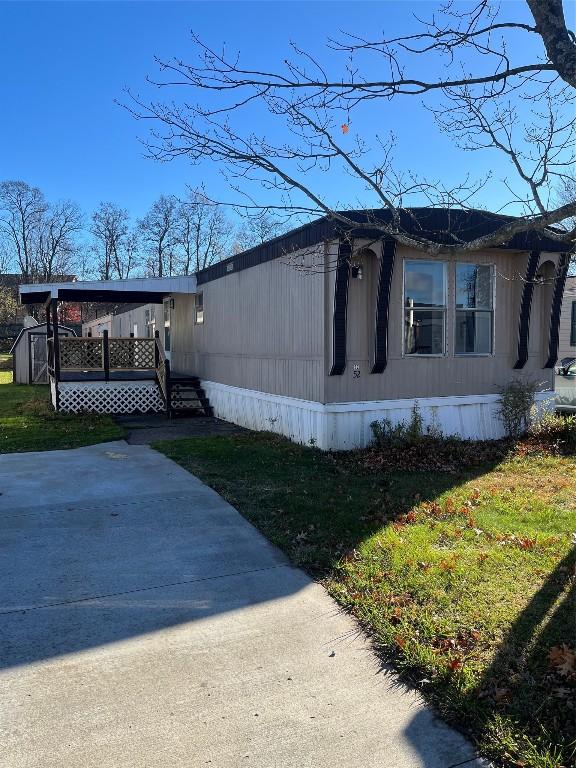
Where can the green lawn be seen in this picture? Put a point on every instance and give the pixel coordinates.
(28, 423)
(466, 579)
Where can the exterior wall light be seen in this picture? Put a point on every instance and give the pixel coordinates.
(357, 271)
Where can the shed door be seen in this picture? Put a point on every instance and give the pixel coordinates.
(38, 358)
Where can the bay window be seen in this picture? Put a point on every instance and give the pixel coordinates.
(424, 307)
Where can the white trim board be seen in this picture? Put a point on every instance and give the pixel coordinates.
(342, 426)
(181, 284)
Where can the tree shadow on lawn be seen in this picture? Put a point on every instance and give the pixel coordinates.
(526, 685)
(306, 503)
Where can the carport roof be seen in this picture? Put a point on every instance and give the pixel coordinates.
(132, 290)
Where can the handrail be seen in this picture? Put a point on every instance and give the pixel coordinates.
(163, 375)
(50, 357)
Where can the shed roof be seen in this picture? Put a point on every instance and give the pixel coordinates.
(38, 329)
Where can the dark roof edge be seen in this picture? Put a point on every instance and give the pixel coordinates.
(301, 237)
(326, 228)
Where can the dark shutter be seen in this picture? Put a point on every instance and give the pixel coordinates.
(340, 309)
(383, 306)
(573, 326)
(525, 307)
(559, 283)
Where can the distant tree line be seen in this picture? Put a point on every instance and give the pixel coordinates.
(42, 241)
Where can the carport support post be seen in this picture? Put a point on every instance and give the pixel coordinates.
(106, 354)
(56, 338)
(48, 323)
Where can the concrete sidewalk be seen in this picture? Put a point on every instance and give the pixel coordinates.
(146, 624)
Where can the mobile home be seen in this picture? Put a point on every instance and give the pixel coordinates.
(319, 332)
(567, 341)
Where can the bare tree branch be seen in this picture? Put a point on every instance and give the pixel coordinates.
(110, 228)
(483, 88)
(159, 231)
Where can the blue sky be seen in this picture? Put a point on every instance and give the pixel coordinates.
(64, 64)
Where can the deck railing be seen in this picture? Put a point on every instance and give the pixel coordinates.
(82, 354)
(106, 356)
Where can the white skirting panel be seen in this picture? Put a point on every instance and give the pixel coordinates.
(109, 397)
(342, 426)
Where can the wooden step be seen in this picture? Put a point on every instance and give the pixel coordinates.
(194, 381)
(187, 396)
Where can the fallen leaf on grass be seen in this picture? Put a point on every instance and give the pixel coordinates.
(563, 659)
(402, 599)
(498, 694)
(527, 543)
(501, 695)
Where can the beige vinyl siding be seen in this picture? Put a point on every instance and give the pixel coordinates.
(269, 328)
(565, 349)
(263, 329)
(420, 376)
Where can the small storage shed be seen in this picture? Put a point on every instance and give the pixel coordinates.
(29, 354)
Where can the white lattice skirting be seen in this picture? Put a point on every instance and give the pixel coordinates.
(109, 397)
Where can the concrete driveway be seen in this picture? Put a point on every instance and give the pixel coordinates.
(146, 624)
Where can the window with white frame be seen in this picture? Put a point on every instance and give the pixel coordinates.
(199, 309)
(474, 292)
(424, 307)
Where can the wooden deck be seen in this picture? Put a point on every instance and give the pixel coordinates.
(119, 375)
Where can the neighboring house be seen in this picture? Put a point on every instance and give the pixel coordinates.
(127, 320)
(315, 336)
(140, 321)
(97, 326)
(567, 344)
